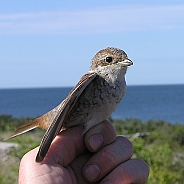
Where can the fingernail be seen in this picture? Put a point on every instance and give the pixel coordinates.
(96, 141)
(92, 172)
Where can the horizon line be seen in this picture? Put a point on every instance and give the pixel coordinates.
(49, 87)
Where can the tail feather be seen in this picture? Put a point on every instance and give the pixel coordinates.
(43, 122)
(24, 128)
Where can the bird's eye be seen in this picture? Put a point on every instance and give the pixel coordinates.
(108, 59)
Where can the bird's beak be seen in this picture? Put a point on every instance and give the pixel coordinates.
(127, 62)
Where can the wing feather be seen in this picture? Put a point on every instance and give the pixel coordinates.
(57, 124)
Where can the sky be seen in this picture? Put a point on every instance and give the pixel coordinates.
(51, 43)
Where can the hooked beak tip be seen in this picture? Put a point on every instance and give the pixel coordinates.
(127, 62)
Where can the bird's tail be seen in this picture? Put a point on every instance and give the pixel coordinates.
(25, 128)
(43, 122)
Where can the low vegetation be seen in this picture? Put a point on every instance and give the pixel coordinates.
(159, 143)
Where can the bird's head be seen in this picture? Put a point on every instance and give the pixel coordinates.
(110, 61)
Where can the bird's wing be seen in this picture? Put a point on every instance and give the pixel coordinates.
(57, 124)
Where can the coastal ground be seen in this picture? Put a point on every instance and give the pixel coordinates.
(159, 143)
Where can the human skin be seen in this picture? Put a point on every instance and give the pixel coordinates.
(99, 156)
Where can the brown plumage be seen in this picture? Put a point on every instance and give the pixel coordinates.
(91, 101)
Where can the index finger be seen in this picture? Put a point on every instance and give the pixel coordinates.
(99, 136)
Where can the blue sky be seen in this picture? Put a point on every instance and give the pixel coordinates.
(51, 43)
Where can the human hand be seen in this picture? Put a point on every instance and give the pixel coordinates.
(96, 157)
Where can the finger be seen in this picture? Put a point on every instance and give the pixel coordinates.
(132, 171)
(105, 160)
(99, 136)
(75, 168)
(33, 172)
(67, 145)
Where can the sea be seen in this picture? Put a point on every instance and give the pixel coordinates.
(147, 102)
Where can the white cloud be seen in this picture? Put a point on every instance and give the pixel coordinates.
(99, 20)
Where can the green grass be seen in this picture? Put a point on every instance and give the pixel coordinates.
(28, 141)
(162, 147)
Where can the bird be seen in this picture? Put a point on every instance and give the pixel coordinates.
(91, 101)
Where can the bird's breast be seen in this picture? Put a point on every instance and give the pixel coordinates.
(98, 101)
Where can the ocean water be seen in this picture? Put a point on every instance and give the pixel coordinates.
(157, 102)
